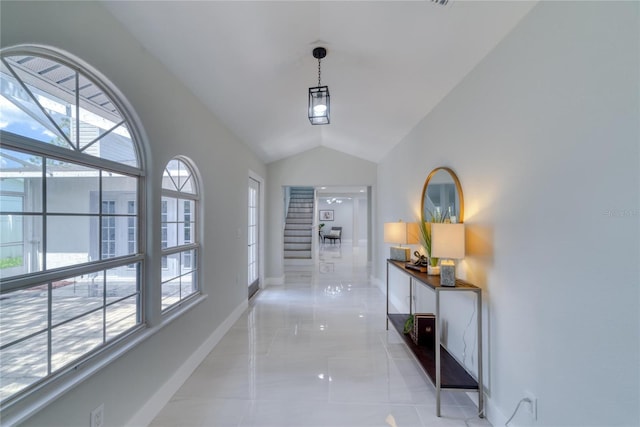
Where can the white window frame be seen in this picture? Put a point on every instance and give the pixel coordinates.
(188, 252)
(67, 375)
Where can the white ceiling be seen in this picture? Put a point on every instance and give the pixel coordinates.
(388, 63)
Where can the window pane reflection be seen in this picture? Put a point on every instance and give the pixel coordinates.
(20, 244)
(122, 282)
(22, 365)
(121, 317)
(75, 339)
(170, 293)
(22, 313)
(72, 188)
(71, 240)
(75, 296)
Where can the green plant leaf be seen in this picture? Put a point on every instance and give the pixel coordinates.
(408, 325)
(425, 232)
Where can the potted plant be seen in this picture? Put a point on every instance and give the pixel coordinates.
(425, 239)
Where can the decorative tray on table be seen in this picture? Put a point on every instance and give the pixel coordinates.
(416, 267)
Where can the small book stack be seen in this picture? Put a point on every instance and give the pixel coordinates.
(424, 329)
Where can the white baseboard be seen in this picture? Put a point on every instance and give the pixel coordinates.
(274, 281)
(492, 413)
(379, 283)
(154, 405)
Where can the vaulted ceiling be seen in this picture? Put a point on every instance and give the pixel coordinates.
(388, 64)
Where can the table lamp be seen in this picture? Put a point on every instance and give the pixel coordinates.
(447, 243)
(400, 233)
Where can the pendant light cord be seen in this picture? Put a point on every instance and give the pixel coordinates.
(319, 59)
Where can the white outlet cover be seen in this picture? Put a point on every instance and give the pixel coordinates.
(97, 417)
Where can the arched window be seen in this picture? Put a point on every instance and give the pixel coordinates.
(179, 222)
(71, 257)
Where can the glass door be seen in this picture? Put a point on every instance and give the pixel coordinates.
(253, 277)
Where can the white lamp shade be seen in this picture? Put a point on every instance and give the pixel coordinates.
(413, 233)
(401, 233)
(447, 241)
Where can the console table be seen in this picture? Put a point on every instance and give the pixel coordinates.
(438, 364)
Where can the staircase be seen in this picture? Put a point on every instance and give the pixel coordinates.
(298, 225)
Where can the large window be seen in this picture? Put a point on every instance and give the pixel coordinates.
(178, 233)
(70, 254)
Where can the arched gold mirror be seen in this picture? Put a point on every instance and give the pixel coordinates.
(441, 202)
(442, 199)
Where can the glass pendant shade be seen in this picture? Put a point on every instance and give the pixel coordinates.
(319, 106)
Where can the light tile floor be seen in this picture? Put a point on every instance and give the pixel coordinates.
(314, 352)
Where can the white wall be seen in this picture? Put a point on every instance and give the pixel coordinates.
(320, 166)
(175, 123)
(544, 136)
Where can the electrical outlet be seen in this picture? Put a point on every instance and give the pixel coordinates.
(97, 417)
(531, 404)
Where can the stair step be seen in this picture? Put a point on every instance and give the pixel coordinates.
(296, 219)
(307, 221)
(297, 254)
(297, 232)
(297, 246)
(299, 215)
(297, 226)
(297, 239)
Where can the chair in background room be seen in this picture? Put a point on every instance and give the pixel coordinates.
(334, 234)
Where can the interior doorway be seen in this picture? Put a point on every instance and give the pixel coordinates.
(347, 208)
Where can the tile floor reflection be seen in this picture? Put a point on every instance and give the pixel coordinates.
(314, 352)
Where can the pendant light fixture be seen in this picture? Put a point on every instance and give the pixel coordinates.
(319, 96)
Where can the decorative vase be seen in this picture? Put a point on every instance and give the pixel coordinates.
(433, 270)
